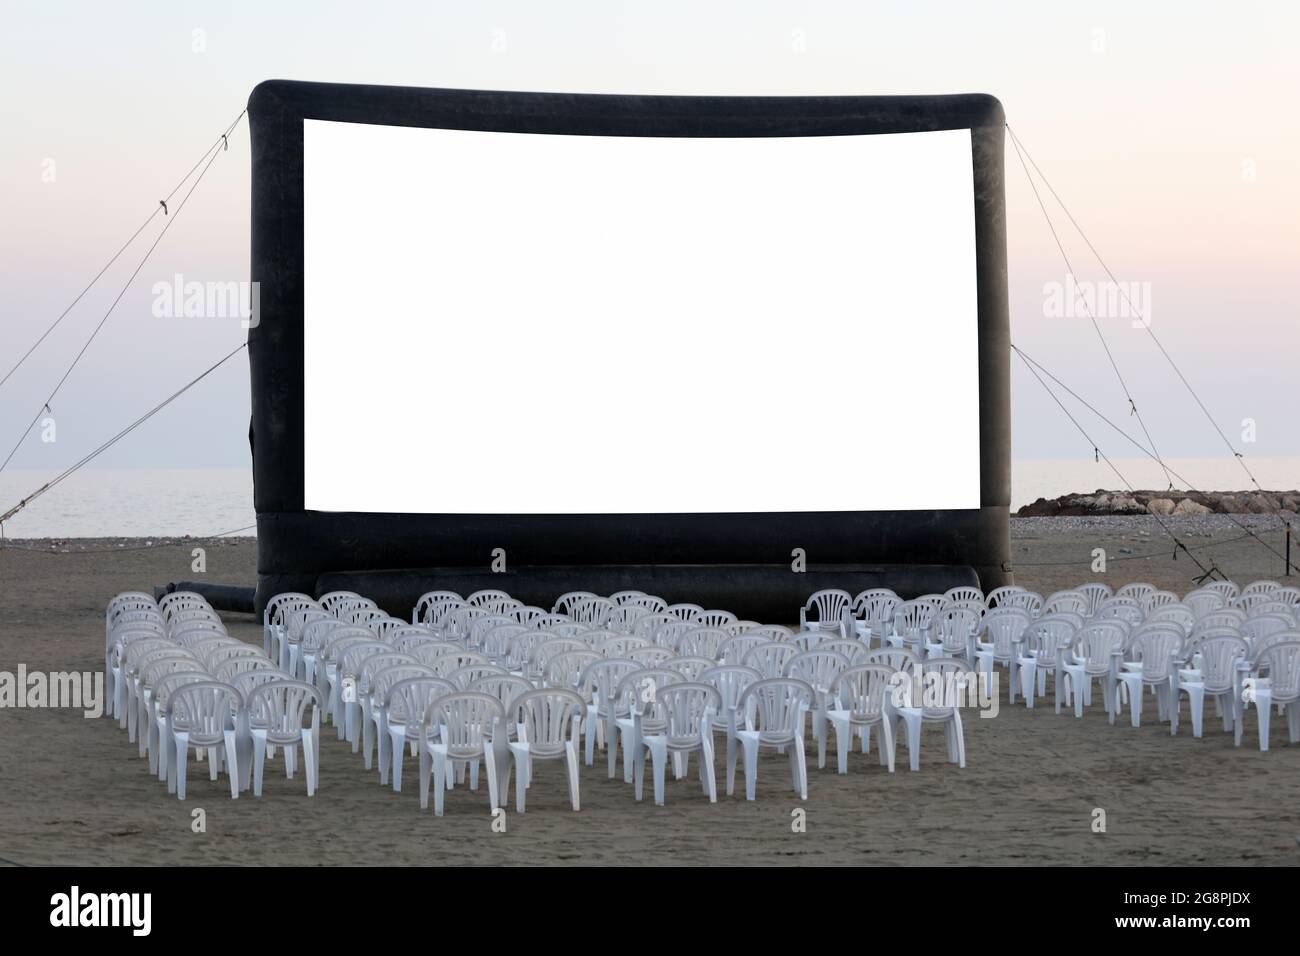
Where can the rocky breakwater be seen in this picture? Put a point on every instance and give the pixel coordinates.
(1102, 502)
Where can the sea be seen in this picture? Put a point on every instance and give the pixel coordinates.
(203, 502)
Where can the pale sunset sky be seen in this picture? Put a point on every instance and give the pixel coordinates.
(1170, 130)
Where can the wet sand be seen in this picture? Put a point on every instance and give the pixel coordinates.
(75, 792)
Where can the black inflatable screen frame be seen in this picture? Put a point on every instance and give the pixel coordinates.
(296, 547)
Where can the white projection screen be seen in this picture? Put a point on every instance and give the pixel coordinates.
(633, 324)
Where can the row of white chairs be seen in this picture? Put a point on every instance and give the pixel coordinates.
(178, 682)
(1237, 645)
(490, 643)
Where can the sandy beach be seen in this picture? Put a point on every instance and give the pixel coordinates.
(75, 791)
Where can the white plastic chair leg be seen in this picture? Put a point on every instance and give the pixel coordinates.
(708, 774)
(571, 757)
(749, 743)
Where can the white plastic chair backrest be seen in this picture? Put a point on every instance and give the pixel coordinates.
(333, 641)
(1227, 589)
(1279, 608)
(504, 687)
(466, 721)
(550, 717)
(1218, 658)
(1005, 626)
(280, 707)
(683, 611)
(652, 655)
(430, 600)
(912, 617)
(566, 629)
(333, 651)
(730, 681)
(277, 607)
(550, 620)
(1096, 594)
(862, 689)
(1288, 595)
(1281, 662)
(228, 670)
(594, 611)
(816, 667)
(895, 658)
(383, 680)
(600, 679)
(1095, 642)
(954, 627)
(363, 615)
(826, 606)
(446, 663)
(1260, 587)
(1066, 601)
(193, 614)
(478, 630)
(770, 659)
(1224, 617)
(407, 700)
(954, 681)
(622, 597)
(701, 642)
(345, 608)
(639, 691)
(1179, 614)
(160, 666)
(670, 633)
(653, 603)
(332, 599)
(715, 617)
(624, 617)
(216, 656)
(138, 621)
(997, 597)
(553, 646)
(689, 667)
(437, 613)
(315, 633)
(167, 683)
(738, 627)
(1160, 599)
(1256, 629)
(350, 661)
(204, 710)
(1121, 609)
(134, 651)
(564, 603)
(1138, 591)
(779, 705)
(772, 632)
(1031, 601)
(192, 632)
(1158, 649)
(685, 706)
(499, 640)
(964, 592)
(463, 677)
(386, 626)
(181, 601)
(527, 613)
(490, 599)
(134, 599)
(621, 645)
(1260, 645)
(126, 614)
(246, 681)
(648, 624)
(375, 663)
(734, 649)
(566, 669)
(1046, 636)
(875, 607)
(298, 620)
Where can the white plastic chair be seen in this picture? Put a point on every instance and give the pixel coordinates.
(1159, 651)
(818, 668)
(862, 694)
(1203, 601)
(202, 715)
(824, 610)
(688, 710)
(770, 659)
(604, 676)
(277, 715)
(730, 681)
(1047, 640)
(1095, 593)
(462, 729)
(1094, 654)
(1005, 628)
(1227, 589)
(638, 691)
(402, 709)
(551, 721)
(703, 641)
(1213, 669)
(1281, 662)
(775, 719)
(951, 682)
